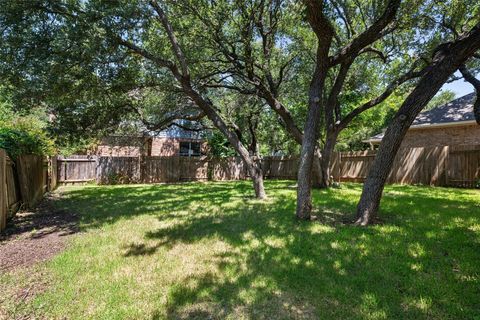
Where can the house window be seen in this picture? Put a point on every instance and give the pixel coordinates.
(189, 149)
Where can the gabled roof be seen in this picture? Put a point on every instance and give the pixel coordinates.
(456, 112)
(181, 133)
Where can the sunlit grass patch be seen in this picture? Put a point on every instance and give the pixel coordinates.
(211, 251)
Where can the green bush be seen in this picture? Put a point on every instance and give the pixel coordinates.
(17, 142)
(24, 133)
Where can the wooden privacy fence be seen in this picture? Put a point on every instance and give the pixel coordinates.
(23, 182)
(167, 169)
(104, 170)
(456, 166)
(462, 166)
(32, 172)
(14, 198)
(75, 169)
(440, 166)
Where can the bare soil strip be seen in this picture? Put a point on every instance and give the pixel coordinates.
(34, 236)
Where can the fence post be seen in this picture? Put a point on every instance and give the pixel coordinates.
(179, 164)
(53, 172)
(3, 190)
(140, 168)
(97, 169)
(446, 166)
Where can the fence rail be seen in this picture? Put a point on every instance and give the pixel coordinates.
(439, 166)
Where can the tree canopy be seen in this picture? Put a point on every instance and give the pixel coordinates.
(267, 76)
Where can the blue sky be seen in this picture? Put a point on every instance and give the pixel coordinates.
(460, 87)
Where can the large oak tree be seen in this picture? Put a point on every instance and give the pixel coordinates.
(448, 57)
(91, 60)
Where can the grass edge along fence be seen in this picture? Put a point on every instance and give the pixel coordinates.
(457, 166)
(24, 182)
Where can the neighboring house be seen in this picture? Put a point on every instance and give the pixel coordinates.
(450, 124)
(174, 141)
(124, 146)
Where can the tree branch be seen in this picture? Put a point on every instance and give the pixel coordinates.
(146, 54)
(332, 102)
(372, 34)
(476, 84)
(468, 76)
(411, 74)
(379, 53)
(173, 39)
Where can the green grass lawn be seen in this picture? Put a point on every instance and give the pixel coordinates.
(208, 250)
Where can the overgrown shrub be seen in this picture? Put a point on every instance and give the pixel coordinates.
(24, 133)
(17, 142)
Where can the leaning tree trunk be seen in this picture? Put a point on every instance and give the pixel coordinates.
(468, 76)
(256, 174)
(254, 168)
(445, 63)
(183, 77)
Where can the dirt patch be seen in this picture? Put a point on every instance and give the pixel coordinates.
(34, 236)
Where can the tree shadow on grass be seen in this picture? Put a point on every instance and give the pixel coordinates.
(107, 204)
(40, 222)
(421, 263)
(404, 269)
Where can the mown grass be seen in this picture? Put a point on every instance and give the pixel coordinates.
(208, 250)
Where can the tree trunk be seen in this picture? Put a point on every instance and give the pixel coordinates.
(252, 127)
(317, 177)
(256, 173)
(468, 76)
(255, 170)
(327, 153)
(294, 131)
(304, 192)
(445, 63)
(324, 32)
(183, 77)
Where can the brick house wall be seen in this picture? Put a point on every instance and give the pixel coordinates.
(118, 151)
(117, 146)
(442, 136)
(168, 147)
(123, 146)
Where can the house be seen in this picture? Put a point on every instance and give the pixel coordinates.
(450, 124)
(177, 141)
(124, 146)
(174, 141)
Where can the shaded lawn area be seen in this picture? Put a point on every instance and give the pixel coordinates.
(207, 250)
